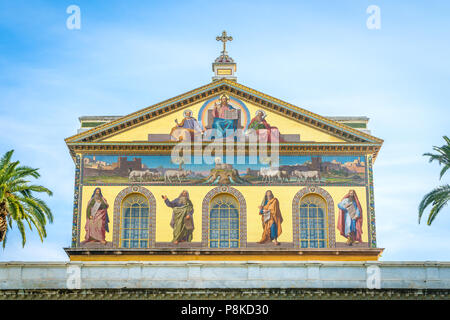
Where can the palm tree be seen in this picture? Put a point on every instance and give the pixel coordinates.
(17, 201)
(440, 196)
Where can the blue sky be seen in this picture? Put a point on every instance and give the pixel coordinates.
(315, 54)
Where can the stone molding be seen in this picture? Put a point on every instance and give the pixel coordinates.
(225, 293)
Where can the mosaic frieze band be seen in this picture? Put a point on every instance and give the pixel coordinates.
(298, 170)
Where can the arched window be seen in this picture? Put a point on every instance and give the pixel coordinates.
(224, 221)
(313, 222)
(134, 222)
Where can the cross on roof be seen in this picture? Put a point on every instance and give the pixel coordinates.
(224, 38)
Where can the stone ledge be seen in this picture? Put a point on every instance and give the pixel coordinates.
(220, 294)
(326, 264)
(263, 250)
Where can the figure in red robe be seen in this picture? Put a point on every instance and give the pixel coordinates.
(263, 130)
(97, 219)
(350, 218)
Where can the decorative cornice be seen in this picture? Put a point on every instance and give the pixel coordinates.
(149, 113)
(225, 293)
(257, 252)
(166, 148)
(295, 112)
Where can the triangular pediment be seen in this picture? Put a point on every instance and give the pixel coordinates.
(155, 123)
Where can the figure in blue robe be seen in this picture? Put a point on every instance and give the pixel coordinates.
(221, 125)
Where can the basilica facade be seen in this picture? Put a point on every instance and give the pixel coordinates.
(223, 172)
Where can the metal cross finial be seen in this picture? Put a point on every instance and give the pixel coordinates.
(224, 38)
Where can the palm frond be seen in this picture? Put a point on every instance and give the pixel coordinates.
(13, 208)
(17, 198)
(5, 238)
(28, 171)
(43, 206)
(3, 189)
(447, 139)
(39, 227)
(8, 172)
(27, 190)
(443, 153)
(21, 228)
(34, 208)
(24, 172)
(37, 188)
(443, 171)
(6, 159)
(437, 198)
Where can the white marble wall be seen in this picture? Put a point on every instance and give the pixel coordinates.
(86, 275)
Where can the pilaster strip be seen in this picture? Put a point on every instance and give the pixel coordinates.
(371, 220)
(77, 203)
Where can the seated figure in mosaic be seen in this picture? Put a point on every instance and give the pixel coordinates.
(188, 129)
(264, 131)
(225, 118)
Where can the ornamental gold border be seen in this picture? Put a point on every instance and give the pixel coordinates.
(150, 113)
(77, 202)
(166, 148)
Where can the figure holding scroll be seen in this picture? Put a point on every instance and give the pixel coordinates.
(350, 218)
(97, 219)
(271, 218)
